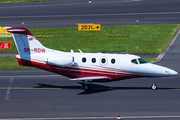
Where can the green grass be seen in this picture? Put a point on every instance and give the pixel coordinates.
(150, 59)
(11, 63)
(21, 1)
(148, 38)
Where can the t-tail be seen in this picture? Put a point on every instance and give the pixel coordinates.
(27, 44)
(25, 41)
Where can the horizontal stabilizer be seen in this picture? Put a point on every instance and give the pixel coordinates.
(19, 30)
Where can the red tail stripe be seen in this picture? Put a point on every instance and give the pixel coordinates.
(20, 30)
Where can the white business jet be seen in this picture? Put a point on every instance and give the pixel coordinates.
(86, 67)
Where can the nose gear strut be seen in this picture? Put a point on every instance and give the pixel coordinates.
(153, 86)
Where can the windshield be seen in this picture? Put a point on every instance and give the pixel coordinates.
(142, 61)
(139, 61)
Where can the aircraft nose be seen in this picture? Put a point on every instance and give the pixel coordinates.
(163, 71)
(170, 72)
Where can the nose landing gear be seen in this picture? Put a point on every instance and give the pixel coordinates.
(153, 86)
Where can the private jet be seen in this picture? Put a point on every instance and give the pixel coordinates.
(85, 67)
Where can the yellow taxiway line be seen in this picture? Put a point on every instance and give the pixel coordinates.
(120, 14)
(91, 118)
(29, 88)
(26, 88)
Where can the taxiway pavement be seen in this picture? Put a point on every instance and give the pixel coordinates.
(39, 94)
(45, 95)
(70, 13)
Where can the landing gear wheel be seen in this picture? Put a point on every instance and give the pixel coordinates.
(154, 86)
(85, 87)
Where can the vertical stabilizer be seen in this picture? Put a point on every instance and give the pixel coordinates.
(26, 43)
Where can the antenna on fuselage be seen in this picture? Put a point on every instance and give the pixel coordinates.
(72, 51)
(80, 51)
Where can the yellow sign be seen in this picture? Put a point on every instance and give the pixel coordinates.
(4, 31)
(89, 27)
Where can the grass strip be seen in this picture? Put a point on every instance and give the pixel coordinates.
(21, 1)
(127, 38)
(11, 63)
(149, 59)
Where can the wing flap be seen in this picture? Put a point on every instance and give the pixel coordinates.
(93, 78)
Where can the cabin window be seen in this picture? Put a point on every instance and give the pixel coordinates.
(142, 61)
(113, 61)
(103, 60)
(93, 60)
(134, 61)
(83, 59)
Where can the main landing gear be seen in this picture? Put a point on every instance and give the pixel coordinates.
(153, 86)
(85, 85)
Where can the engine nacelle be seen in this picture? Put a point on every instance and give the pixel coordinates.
(61, 61)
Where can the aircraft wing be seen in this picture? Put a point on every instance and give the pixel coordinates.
(93, 78)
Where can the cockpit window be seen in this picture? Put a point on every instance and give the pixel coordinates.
(142, 61)
(139, 61)
(134, 61)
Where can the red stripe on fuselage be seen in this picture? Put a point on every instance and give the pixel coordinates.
(77, 72)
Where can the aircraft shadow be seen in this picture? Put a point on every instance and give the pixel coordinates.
(95, 88)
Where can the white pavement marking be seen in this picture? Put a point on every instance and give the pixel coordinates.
(9, 88)
(168, 46)
(78, 118)
(32, 76)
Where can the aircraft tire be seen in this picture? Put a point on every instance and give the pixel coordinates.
(154, 86)
(85, 87)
